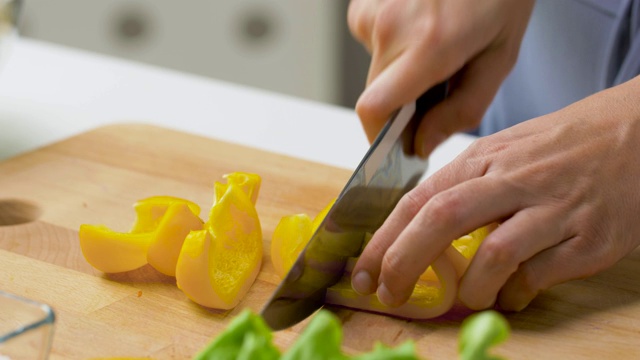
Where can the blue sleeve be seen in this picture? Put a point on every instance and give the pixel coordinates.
(571, 49)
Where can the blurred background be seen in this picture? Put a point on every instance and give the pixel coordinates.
(295, 47)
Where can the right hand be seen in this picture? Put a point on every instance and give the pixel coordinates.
(416, 44)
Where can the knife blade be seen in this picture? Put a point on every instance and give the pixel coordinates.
(389, 169)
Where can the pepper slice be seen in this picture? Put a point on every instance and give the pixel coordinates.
(218, 265)
(110, 251)
(150, 211)
(290, 236)
(248, 182)
(169, 236)
(289, 239)
(215, 262)
(155, 228)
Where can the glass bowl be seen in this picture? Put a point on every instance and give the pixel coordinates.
(26, 328)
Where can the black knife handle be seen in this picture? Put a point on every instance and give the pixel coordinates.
(430, 98)
(423, 104)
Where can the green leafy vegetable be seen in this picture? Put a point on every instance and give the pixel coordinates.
(321, 340)
(247, 337)
(481, 331)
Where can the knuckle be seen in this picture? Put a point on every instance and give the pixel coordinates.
(388, 22)
(375, 249)
(444, 209)
(412, 202)
(384, 30)
(432, 29)
(500, 256)
(396, 271)
(601, 250)
(368, 107)
(358, 20)
(392, 263)
(528, 280)
(473, 299)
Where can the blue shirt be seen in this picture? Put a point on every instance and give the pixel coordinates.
(571, 49)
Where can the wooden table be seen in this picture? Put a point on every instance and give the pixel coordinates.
(96, 177)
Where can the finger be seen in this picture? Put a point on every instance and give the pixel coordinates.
(367, 269)
(377, 102)
(469, 97)
(403, 78)
(445, 217)
(361, 16)
(519, 238)
(365, 273)
(568, 260)
(373, 120)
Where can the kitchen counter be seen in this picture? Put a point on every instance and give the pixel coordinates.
(50, 92)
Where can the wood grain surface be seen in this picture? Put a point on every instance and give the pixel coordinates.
(96, 177)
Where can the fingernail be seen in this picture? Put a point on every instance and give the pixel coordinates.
(385, 296)
(362, 283)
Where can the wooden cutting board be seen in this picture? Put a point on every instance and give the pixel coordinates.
(96, 177)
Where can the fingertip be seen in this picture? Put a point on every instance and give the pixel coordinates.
(515, 295)
(386, 297)
(362, 283)
(474, 297)
(514, 306)
(475, 302)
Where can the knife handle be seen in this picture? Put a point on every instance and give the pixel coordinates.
(423, 104)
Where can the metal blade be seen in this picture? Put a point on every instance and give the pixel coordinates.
(388, 171)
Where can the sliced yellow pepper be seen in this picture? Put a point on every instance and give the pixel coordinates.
(149, 211)
(217, 265)
(290, 237)
(468, 245)
(215, 262)
(155, 228)
(249, 183)
(169, 236)
(110, 251)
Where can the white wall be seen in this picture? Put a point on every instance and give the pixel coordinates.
(289, 46)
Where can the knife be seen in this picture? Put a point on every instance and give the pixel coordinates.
(389, 169)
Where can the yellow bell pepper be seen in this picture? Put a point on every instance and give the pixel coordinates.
(217, 265)
(110, 251)
(214, 263)
(249, 183)
(290, 237)
(149, 211)
(169, 236)
(155, 228)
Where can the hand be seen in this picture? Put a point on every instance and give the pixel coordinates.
(416, 44)
(564, 186)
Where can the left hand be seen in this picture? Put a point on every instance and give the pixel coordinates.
(565, 187)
